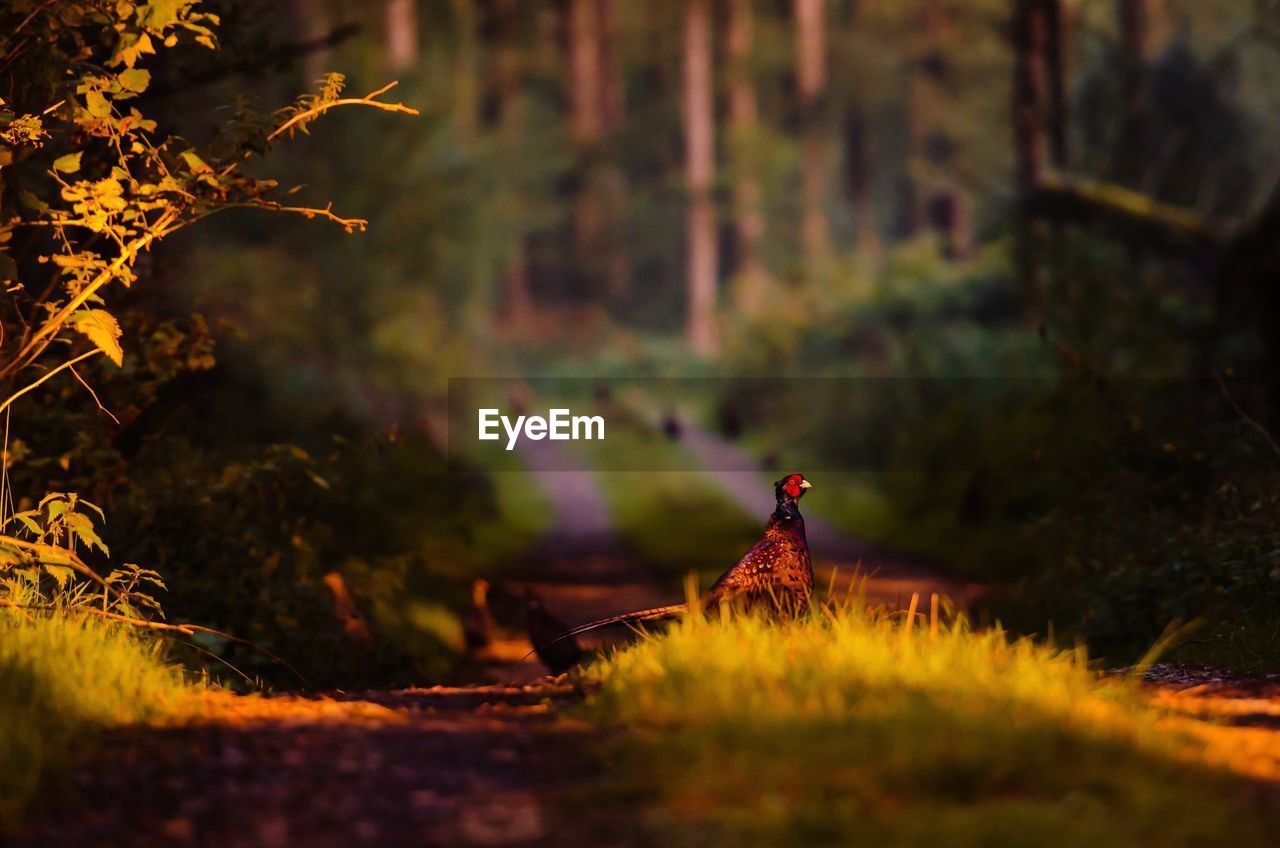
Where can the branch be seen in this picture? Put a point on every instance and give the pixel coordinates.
(68, 364)
(1246, 417)
(40, 338)
(1132, 214)
(5, 602)
(367, 100)
(94, 395)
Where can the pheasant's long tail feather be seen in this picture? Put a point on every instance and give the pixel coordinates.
(626, 618)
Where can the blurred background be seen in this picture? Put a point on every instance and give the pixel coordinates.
(1078, 191)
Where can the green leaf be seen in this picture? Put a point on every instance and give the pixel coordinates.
(8, 268)
(68, 164)
(101, 328)
(135, 79)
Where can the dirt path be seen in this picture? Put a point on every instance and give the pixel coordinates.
(484, 765)
(479, 766)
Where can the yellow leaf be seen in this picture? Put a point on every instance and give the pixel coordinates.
(101, 328)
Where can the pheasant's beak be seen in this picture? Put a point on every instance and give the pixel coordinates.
(805, 484)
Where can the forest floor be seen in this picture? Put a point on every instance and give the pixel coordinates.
(504, 762)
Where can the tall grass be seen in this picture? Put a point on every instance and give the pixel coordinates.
(62, 679)
(854, 727)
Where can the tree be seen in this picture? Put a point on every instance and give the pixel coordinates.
(699, 146)
(101, 185)
(811, 81)
(748, 217)
(402, 33)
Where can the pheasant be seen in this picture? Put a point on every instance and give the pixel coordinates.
(776, 574)
(558, 652)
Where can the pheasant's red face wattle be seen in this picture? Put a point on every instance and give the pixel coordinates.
(795, 484)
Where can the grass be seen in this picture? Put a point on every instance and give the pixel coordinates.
(855, 729)
(60, 681)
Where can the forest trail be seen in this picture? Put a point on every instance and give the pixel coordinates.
(480, 765)
(483, 766)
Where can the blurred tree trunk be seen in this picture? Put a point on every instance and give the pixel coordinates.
(744, 120)
(1055, 71)
(401, 26)
(585, 70)
(699, 133)
(857, 144)
(612, 101)
(1030, 33)
(811, 81)
(466, 81)
(508, 70)
(611, 182)
(311, 19)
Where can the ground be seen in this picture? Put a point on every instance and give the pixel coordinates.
(496, 763)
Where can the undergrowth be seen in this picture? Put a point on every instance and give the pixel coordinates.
(850, 727)
(61, 680)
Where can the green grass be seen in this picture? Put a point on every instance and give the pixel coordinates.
(60, 681)
(853, 730)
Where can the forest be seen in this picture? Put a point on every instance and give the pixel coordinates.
(640, 422)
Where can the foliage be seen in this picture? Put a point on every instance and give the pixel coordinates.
(61, 680)
(853, 726)
(91, 184)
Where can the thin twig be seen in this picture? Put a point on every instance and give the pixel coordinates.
(5, 602)
(1246, 417)
(68, 364)
(94, 395)
(367, 100)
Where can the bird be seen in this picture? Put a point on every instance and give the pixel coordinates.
(557, 651)
(477, 621)
(776, 574)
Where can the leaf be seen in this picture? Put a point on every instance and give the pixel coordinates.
(68, 164)
(194, 162)
(82, 526)
(28, 520)
(8, 268)
(101, 328)
(135, 79)
(97, 104)
(60, 574)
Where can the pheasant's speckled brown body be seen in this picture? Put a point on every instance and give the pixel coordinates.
(776, 574)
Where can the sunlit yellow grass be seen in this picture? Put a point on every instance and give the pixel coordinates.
(60, 680)
(854, 725)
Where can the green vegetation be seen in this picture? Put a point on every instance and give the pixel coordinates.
(849, 727)
(61, 680)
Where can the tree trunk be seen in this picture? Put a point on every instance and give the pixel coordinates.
(811, 80)
(857, 145)
(612, 102)
(744, 118)
(585, 70)
(311, 19)
(1029, 38)
(402, 34)
(1055, 77)
(699, 132)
